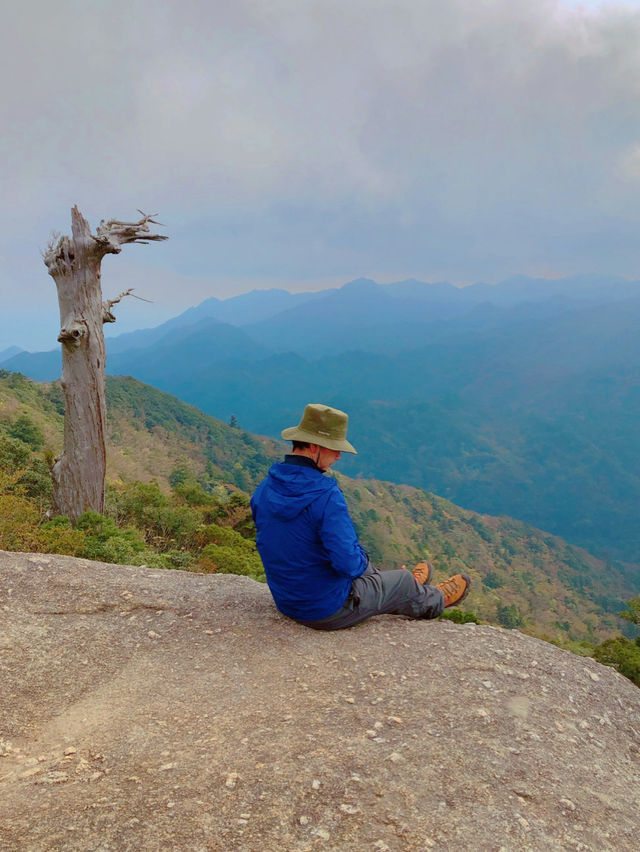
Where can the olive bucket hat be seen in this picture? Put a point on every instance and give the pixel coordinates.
(324, 426)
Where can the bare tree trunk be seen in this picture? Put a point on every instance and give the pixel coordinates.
(74, 263)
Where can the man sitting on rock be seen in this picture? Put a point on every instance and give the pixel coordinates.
(316, 569)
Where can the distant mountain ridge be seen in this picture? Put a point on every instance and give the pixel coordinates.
(237, 311)
(519, 398)
(9, 352)
(444, 300)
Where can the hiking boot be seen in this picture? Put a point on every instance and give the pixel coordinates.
(422, 572)
(455, 589)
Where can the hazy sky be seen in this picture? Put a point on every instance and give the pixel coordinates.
(302, 143)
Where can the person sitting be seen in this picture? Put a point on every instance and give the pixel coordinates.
(317, 571)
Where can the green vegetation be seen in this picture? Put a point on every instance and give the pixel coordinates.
(25, 430)
(194, 523)
(619, 652)
(633, 613)
(510, 617)
(218, 451)
(458, 616)
(623, 655)
(141, 526)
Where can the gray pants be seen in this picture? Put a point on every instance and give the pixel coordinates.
(378, 592)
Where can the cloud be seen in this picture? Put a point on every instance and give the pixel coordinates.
(316, 137)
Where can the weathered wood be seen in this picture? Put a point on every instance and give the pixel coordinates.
(74, 263)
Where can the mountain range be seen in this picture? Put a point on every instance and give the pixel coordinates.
(520, 398)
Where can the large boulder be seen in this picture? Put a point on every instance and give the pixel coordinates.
(150, 710)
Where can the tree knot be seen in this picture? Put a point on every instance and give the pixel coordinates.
(72, 333)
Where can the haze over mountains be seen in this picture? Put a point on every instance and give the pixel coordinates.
(521, 398)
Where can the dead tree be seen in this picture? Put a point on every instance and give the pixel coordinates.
(74, 263)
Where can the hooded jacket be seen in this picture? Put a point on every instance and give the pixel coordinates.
(306, 540)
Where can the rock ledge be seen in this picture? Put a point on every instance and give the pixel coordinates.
(148, 710)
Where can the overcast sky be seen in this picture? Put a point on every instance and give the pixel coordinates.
(303, 143)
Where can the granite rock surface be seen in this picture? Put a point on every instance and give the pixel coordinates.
(151, 710)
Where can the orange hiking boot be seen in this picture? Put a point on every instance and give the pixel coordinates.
(422, 572)
(455, 589)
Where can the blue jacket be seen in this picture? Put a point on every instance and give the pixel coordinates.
(306, 540)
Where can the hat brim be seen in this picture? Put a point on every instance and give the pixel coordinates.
(295, 433)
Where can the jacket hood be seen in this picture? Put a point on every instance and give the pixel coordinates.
(291, 488)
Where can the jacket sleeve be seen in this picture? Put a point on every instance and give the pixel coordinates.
(339, 538)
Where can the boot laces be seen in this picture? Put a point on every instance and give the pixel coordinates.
(449, 587)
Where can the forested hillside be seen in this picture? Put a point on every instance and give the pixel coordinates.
(178, 487)
(520, 399)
